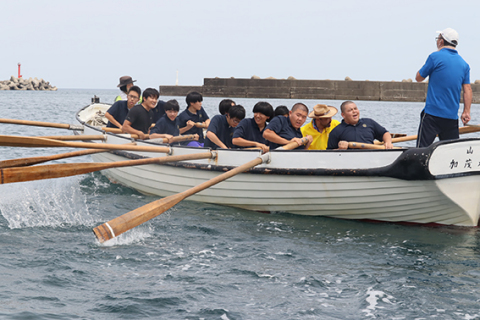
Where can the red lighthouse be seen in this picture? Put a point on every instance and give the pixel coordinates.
(19, 74)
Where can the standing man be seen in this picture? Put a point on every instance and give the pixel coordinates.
(354, 129)
(320, 126)
(448, 73)
(282, 130)
(140, 117)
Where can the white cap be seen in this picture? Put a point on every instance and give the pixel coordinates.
(449, 35)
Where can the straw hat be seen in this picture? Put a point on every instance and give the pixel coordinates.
(323, 111)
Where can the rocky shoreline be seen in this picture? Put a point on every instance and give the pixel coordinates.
(26, 84)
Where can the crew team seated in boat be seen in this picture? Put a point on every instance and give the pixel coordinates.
(282, 111)
(117, 113)
(126, 82)
(249, 132)
(224, 105)
(167, 126)
(320, 126)
(221, 128)
(193, 119)
(140, 117)
(282, 130)
(354, 129)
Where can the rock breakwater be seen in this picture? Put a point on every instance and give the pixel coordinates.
(26, 84)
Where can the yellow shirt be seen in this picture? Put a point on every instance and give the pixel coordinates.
(320, 139)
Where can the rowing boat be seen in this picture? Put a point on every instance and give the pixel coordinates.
(434, 185)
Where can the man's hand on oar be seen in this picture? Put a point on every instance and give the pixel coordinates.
(20, 174)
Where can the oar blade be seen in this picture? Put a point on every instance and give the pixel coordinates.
(130, 220)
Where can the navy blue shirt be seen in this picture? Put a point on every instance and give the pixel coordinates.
(283, 127)
(366, 130)
(248, 130)
(222, 130)
(140, 118)
(119, 111)
(158, 111)
(165, 125)
(200, 116)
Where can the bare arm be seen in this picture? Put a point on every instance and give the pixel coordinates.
(248, 143)
(467, 103)
(189, 125)
(271, 136)
(419, 78)
(387, 140)
(112, 120)
(213, 137)
(127, 127)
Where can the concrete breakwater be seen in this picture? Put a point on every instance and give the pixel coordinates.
(310, 89)
(26, 84)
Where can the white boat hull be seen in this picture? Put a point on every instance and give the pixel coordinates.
(364, 184)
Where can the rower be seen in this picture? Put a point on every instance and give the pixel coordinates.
(282, 130)
(354, 129)
(117, 113)
(140, 117)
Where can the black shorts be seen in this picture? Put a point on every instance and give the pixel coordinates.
(431, 126)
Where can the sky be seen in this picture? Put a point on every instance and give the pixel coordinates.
(91, 44)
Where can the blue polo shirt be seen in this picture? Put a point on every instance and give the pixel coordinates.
(140, 118)
(222, 130)
(119, 111)
(366, 130)
(165, 125)
(283, 127)
(200, 116)
(248, 130)
(448, 72)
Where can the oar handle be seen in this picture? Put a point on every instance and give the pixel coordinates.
(187, 137)
(293, 144)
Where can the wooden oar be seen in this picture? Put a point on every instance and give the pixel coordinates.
(36, 160)
(461, 130)
(77, 137)
(360, 145)
(51, 171)
(32, 142)
(54, 125)
(134, 218)
(187, 137)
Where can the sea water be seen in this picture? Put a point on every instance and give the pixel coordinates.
(205, 261)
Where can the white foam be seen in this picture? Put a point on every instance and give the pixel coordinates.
(43, 203)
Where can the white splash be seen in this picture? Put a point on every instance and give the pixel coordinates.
(43, 203)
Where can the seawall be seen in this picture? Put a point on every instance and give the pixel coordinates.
(26, 84)
(309, 89)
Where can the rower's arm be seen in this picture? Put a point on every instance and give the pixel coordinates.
(127, 127)
(271, 136)
(387, 140)
(112, 120)
(213, 137)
